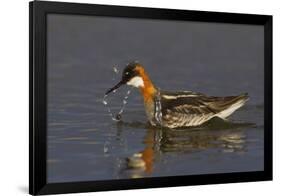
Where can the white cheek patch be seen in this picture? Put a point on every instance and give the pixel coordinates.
(136, 82)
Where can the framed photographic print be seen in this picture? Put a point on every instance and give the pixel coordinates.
(128, 98)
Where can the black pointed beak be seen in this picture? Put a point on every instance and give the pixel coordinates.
(115, 87)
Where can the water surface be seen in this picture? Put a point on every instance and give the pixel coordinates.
(216, 59)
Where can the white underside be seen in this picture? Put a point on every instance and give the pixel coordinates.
(225, 113)
(136, 82)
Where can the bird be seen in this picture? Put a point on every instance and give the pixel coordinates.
(179, 108)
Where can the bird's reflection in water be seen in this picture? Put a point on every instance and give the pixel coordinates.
(222, 136)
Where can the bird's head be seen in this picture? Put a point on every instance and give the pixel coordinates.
(132, 75)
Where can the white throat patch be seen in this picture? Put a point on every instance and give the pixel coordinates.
(136, 82)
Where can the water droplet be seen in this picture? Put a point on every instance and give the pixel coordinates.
(118, 117)
(104, 102)
(114, 91)
(124, 102)
(106, 147)
(115, 69)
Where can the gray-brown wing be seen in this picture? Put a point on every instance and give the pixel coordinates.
(179, 110)
(192, 109)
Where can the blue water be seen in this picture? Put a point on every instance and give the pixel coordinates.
(84, 143)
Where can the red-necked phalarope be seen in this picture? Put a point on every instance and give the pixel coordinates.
(177, 109)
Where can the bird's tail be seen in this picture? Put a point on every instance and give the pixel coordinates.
(232, 104)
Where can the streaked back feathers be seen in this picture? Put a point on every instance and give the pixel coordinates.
(192, 109)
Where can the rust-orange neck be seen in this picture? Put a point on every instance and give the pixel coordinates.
(148, 90)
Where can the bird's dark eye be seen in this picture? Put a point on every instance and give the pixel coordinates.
(129, 71)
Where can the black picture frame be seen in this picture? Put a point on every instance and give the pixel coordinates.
(38, 11)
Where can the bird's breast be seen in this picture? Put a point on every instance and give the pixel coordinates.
(150, 110)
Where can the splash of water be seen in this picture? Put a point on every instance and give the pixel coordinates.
(158, 108)
(118, 116)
